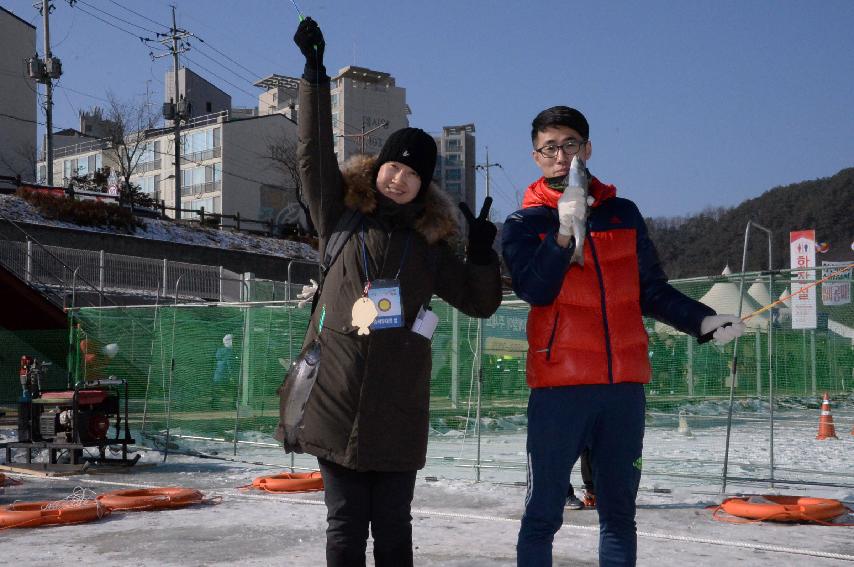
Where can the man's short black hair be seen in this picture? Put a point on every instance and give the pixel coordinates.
(560, 116)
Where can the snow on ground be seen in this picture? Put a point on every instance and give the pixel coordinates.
(456, 521)
(19, 210)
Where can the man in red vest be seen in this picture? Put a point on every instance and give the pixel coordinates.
(587, 346)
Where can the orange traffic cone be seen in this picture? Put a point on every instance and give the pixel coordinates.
(825, 422)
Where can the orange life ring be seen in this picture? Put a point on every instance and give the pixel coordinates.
(150, 498)
(290, 482)
(33, 514)
(784, 509)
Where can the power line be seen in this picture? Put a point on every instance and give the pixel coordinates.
(219, 77)
(139, 37)
(224, 66)
(205, 43)
(81, 93)
(144, 17)
(72, 2)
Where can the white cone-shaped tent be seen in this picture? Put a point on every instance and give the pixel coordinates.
(723, 298)
(759, 292)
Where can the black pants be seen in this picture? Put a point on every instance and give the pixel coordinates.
(586, 474)
(356, 500)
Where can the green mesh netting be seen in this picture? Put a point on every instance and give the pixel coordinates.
(185, 378)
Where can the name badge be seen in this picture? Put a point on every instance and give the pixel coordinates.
(385, 295)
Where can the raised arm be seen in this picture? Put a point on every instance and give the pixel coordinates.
(318, 166)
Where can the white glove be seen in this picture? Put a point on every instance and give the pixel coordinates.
(307, 293)
(722, 335)
(571, 211)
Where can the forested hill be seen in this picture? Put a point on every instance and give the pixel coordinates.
(704, 243)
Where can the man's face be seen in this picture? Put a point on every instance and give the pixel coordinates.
(398, 182)
(558, 166)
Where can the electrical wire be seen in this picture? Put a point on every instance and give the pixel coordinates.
(253, 95)
(224, 66)
(113, 16)
(144, 17)
(110, 23)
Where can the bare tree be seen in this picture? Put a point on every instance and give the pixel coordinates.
(283, 155)
(127, 125)
(22, 162)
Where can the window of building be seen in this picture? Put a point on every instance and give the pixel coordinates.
(453, 174)
(208, 107)
(334, 100)
(453, 188)
(452, 159)
(452, 144)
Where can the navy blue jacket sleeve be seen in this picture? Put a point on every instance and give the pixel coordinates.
(537, 267)
(659, 299)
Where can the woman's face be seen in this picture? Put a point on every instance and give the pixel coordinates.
(398, 182)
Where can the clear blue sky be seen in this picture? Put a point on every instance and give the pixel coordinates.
(691, 103)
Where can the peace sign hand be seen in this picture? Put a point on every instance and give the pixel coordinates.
(481, 234)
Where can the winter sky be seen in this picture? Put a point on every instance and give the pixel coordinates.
(691, 104)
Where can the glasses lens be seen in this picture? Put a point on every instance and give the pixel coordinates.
(549, 151)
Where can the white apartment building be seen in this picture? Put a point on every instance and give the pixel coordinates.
(18, 117)
(225, 166)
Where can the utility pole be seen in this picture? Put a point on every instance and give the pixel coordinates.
(486, 166)
(44, 71)
(364, 134)
(481, 338)
(176, 110)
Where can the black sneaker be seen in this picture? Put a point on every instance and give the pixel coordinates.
(573, 503)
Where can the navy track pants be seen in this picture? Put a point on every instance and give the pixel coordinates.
(608, 418)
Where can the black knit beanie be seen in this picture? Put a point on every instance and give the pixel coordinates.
(413, 147)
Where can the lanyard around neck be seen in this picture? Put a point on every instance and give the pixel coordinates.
(365, 257)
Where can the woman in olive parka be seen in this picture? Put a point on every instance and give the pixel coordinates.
(367, 416)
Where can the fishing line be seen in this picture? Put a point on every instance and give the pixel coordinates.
(319, 152)
(787, 297)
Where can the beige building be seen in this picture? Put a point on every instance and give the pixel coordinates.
(367, 106)
(18, 117)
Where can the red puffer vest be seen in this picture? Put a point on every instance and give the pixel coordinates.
(592, 333)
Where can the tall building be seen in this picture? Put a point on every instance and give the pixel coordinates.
(455, 168)
(203, 97)
(18, 118)
(367, 106)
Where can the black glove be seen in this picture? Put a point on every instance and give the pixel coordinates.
(309, 39)
(481, 234)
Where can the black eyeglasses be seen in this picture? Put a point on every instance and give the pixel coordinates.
(570, 148)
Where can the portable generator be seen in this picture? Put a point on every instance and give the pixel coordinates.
(70, 420)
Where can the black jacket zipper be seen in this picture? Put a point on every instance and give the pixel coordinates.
(552, 338)
(604, 309)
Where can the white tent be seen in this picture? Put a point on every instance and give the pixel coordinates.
(723, 298)
(759, 292)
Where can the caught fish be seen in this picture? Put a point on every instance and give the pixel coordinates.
(577, 177)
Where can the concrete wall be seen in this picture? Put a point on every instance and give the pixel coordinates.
(267, 267)
(17, 97)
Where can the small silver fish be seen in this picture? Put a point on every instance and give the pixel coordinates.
(577, 177)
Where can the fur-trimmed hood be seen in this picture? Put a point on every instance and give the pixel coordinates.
(439, 220)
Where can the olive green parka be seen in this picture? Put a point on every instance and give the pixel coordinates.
(369, 408)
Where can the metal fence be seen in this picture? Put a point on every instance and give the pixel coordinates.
(76, 271)
(186, 384)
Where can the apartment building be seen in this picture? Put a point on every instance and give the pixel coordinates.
(226, 166)
(455, 168)
(18, 117)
